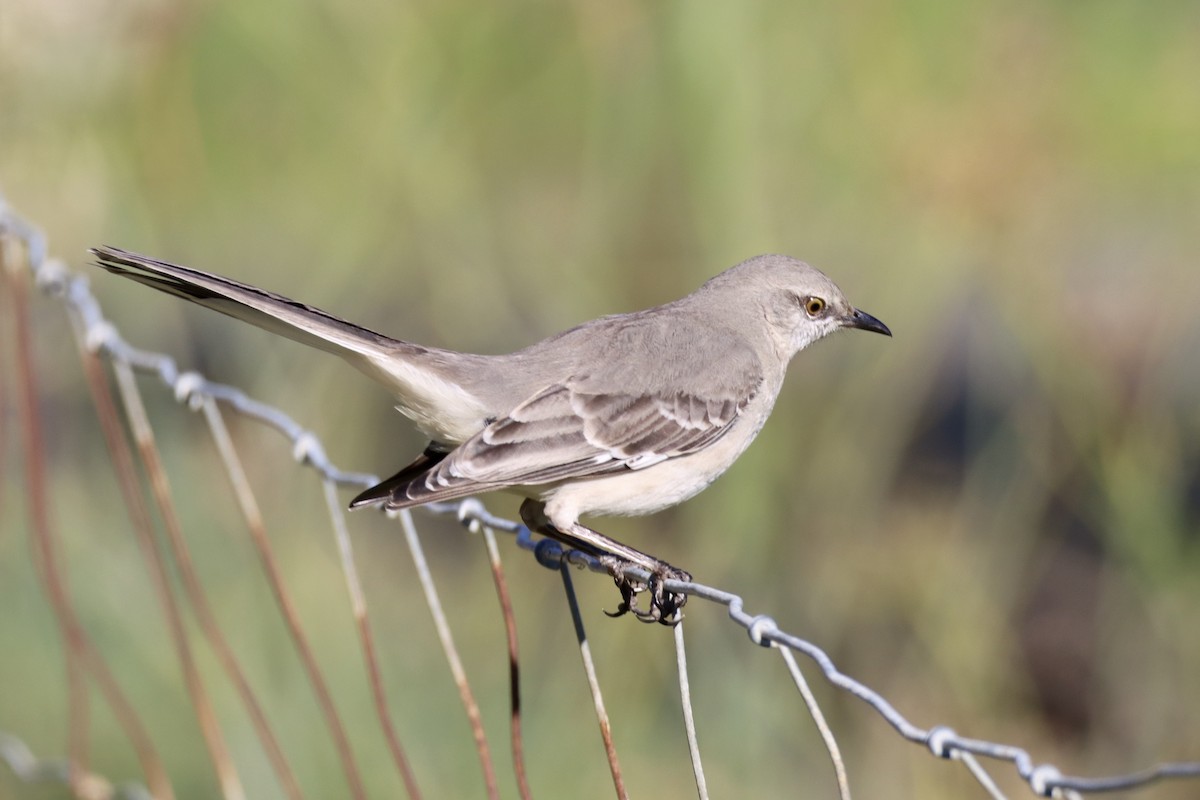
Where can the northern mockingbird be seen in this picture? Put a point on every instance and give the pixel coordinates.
(627, 414)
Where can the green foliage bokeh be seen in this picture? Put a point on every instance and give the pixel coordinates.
(991, 518)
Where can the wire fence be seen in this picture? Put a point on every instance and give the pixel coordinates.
(24, 258)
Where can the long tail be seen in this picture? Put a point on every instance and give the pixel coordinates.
(273, 312)
(430, 384)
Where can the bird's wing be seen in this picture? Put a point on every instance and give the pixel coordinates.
(566, 431)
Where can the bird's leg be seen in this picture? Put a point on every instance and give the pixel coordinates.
(618, 559)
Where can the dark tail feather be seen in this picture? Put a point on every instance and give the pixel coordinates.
(273, 312)
(386, 489)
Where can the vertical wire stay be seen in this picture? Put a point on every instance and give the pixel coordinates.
(689, 717)
(589, 669)
(79, 652)
(442, 626)
(810, 700)
(143, 435)
(980, 774)
(43, 541)
(262, 543)
(514, 664)
(83, 661)
(5, 313)
(358, 602)
(127, 481)
(143, 530)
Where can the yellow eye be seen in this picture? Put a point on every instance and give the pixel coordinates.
(814, 306)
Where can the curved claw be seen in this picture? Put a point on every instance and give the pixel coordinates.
(628, 597)
(665, 607)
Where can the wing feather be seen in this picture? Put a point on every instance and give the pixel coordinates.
(567, 432)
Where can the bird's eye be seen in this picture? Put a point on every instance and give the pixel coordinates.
(814, 306)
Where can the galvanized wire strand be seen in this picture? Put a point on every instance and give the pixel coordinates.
(30, 769)
(358, 601)
(55, 279)
(516, 737)
(814, 710)
(139, 422)
(980, 774)
(593, 682)
(689, 716)
(459, 673)
(284, 600)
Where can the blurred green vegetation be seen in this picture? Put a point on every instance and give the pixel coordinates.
(991, 518)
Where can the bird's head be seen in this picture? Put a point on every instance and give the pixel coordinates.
(801, 305)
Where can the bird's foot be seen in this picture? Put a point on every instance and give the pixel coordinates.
(621, 561)
(666, 607)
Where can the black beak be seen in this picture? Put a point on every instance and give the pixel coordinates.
(864, 321)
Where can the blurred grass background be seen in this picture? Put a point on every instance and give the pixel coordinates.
(991, 518)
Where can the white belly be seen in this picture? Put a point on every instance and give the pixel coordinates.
(643, 491)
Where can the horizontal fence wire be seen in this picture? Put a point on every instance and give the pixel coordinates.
(55, 279)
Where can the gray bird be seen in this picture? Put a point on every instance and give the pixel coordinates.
(624, 415)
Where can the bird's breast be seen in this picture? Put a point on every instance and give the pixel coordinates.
(645, 491)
